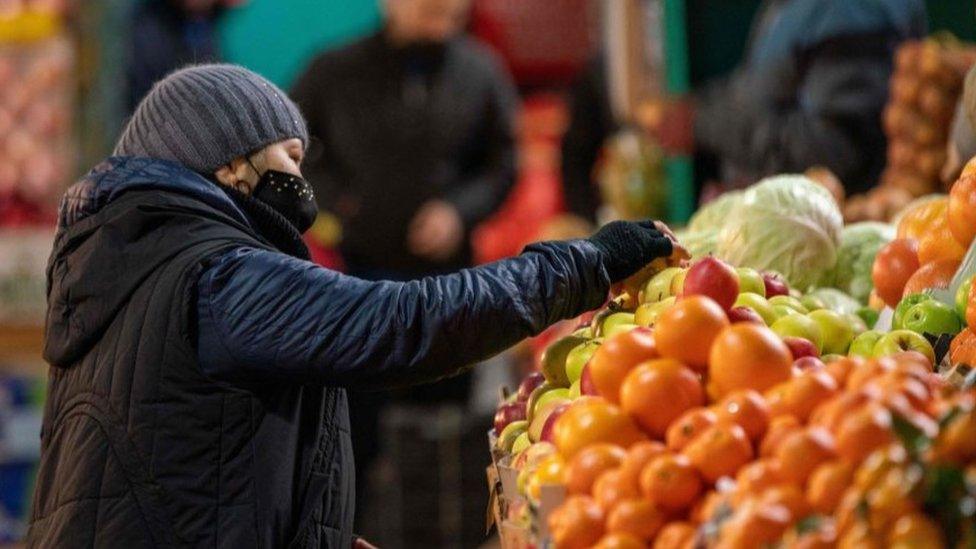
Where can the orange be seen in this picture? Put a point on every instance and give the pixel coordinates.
(827, 484)
(707, 507)
(802, 451)
(875, 468)
(779, 428)
(917, 531)
(871, 370)
(863, 431)
(849, 512)
(637, 517)
(918, 216)
(822, 535)
(656, 392)
(691, 423)
(757, 477)
(619, 541)
(790, 497)
(577, 523)
(962, 350)
(842, 367)
(971, 307)
(962, 209)
(675, 535)
(830, 414)
(754, 524)
(686, 331)
(614, 359)
(747, 409)
(938, 244)
(671, 482)
(937, 274)
(590, 421)
(748, 356)
(589, 463)
(895, 263)
(799, 396)
(612, 488)
(638, 456)
(720, 451)
(957, 442)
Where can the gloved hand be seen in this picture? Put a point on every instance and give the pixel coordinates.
(628, 246)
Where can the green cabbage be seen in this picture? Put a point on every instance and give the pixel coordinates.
(859, 244)
(712, 216)
(785, 223)
(836, 300)
(699, 244)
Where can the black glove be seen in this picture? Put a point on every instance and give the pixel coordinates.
(628, 246)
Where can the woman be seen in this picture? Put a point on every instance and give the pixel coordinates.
(199, 361)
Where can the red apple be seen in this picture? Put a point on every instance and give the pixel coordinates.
(801, 347)
(507, 413)
(775, 285)
(550, 423)
(587, 387)
(744, 314)
(713, 278)
(808, 363)
(529, 383)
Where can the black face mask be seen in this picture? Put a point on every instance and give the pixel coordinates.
(289, 195)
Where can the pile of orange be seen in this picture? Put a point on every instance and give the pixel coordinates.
(813, 461)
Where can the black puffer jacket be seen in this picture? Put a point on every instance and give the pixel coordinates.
(164, 428)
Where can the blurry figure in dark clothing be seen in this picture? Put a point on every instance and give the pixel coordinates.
(166, 35)
(809, 91)
(412, 146)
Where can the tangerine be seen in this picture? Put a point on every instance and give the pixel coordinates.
(919, 216)
(619, 540)
(638, 456)
(748, 356)
(802, 451)
(656, 392)
(688, 426)
(779, 428)
(611, 488)
(961, 211)
(801, 395)
(757, 477)
(675, 535)
(616, 357)
(934, 275)
(686, 331)
(636, 517)
(842, 367)
(827, 484)
(720, 451)
(587, 422)
(671, 482)
(747, 409)
(863, 431)
(939, 244)
(577, 523)
(894, 264)
(589, 463)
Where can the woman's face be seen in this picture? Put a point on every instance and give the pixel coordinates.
(283, 156)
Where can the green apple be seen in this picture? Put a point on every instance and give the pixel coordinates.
(584, 332)
(906, 303)
(659, 286)
(788, 301)
(812, 303)
(511, 432)
(574, 390)
(798, 325)
(962, 297)
(857, 323)
(750, 281)
(578, 357)
(827, 359)
(678, 282)
(757, 303)
(903, 340)
(647, 313)
(553, 363)
(932, 317)
(553, 394)
(836, 329)
(619, 329)
(532, 402)
(613, 320)
(543, 411)
(869, 316)
(783, 310)
(521, 443)
(863, 345)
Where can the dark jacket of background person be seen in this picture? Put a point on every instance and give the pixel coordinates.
(163, 38)
(393, 128)
(810, 91)
(196, 395)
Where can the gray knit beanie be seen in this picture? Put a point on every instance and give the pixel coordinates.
(204, 116)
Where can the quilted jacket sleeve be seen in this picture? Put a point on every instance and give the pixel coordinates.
(266, 316)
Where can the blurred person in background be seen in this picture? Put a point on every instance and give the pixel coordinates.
(809, 92)
(167, 34)
(196, 395)
(412, 146)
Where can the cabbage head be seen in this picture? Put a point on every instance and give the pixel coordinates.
(712, 216)
(699, 244)
(836, 300)
(785, 223)
(859, 244)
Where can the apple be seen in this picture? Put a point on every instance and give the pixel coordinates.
(775, 284)
(856, 322)
(561, 393)
(714, 278)
(542, 414)
(759, 304)
(508, 435)
(574, 390)
(578, 357)
(798, 325)
(659, 286)
(863, 345)
(788, 301)
(745, 314)
(869, 316)
(903, 340)
(751, 281)
(553, 361)
(507, 413)
(613, 320)
(801, 347)
(549, 426)
(529, 383)
(962, 297)
(521, 443)
(646, 315)
(619, 329)
(932, 317)
(783, 310)
(812, 303)
(808, 363)
(678, 282)
(836, 330)
(587, 387)
(906, 303)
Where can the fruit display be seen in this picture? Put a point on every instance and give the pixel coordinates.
(925, 88)
(714, 405)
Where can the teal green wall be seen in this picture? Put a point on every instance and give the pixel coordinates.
(277, 38)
